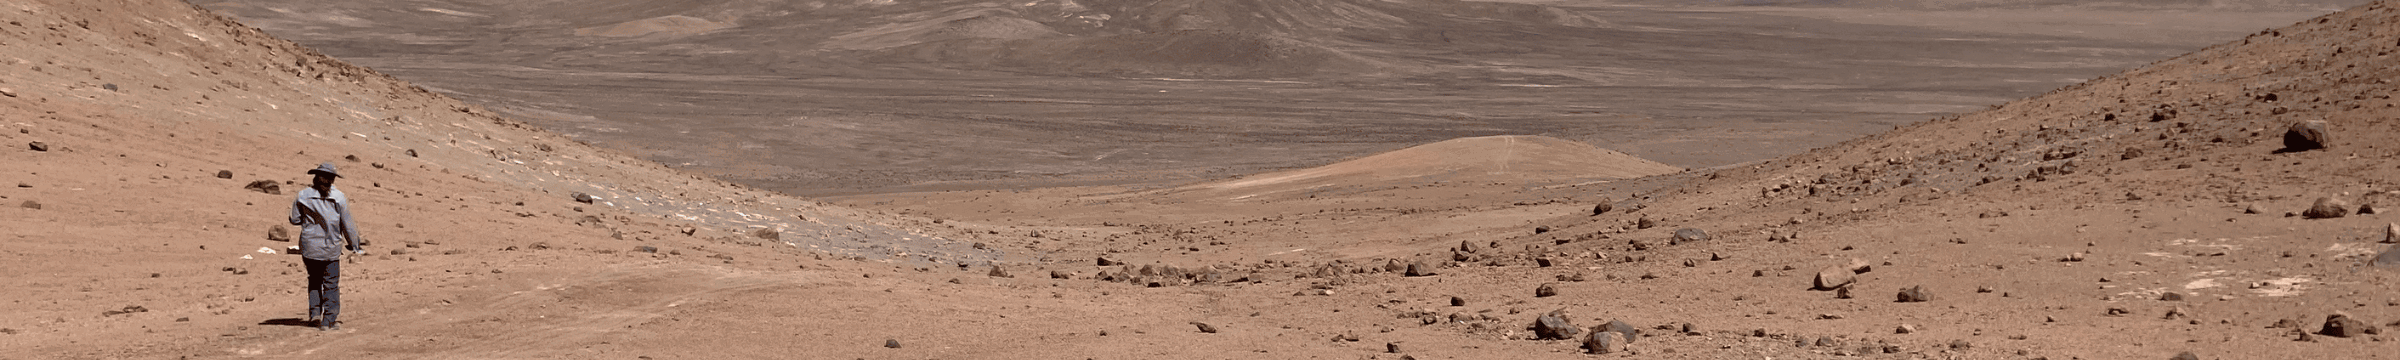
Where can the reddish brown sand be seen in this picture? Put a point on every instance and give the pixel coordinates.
(137, 250)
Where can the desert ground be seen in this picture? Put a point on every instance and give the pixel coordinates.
(1209, 179)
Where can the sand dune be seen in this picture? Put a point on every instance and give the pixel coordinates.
(1515, 158)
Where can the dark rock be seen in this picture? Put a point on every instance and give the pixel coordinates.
(1915, 294)
(2170, 296)
(2187, 355)
(411, 152)
(1466, 246)
(29, 204)
(38, 146)
(1645, 223)
(1546, 290)
(583, 198)
(1205, 327)
(1961, 344)
(999, 272)
(1458, 301)
(1105, 261)
(1555, 326)
(265, 186)
(1620, 327)
(1826, 342)
(2327, 208)
(2342, 325)
(2178, 313)
(1842, 292)
(891, 343)
(1604, 342)
(1602, 208)
(2307, 135)
(1690, 329)
(768, 234)
(1688, 235)
(1541, 229)
(1419, 269)
(2366, 209)
(1394, 265)
(646, 249)
(1391, 347)
(224, 174)
(1545, 262)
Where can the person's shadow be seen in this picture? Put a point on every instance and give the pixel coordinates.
(289, 322)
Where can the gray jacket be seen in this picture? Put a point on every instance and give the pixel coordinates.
(326, 224)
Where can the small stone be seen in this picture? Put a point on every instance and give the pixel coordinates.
(767, 234)
(268, 187)
(1645, 223)
(1620, 327)
(1105, 261)
(2253, 210)
(224, 174)
(411, 152)
(1961, 344)
(8, 92)
(1689, 235)
(29, 204)
(1391, 347)
(2178, 313)
(578, 196)
(1419, 269)
(2391, 234)
(2187, 355)
(1690, 329)
(1915, 294)
(38, 146)
(2307, 135)
(2327, 208)
(1841, 293)
(1458, 301)
(646, 249)
(1546, 290)
(1205, 327)
(891, 343)
(1905, 329)
(2170, 296)
(1602, 208)
(2074, 257)
(999, 272)
(1541, 229)
(2366, 209)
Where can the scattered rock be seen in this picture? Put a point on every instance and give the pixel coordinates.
(2306, 135)
(411, 152)
(38, 146)
(2170, 296)
(29, 204)
(1622, 328)
(1394, 265)
(1834, 278)
(891, 343)
(1691, 329)
(646, 249)
(768, 234)
(1842, 292)
(2187, 355)
(2366, 209)
(2342, 325)
(129, 309)
(1391, 347)
(2178, 313)
(8, 92)
(1961, 344)
(1541, 229)
(1602, 208)
(265, 186)
(2327, 208)
(2391, 234)
(2075, 257)
(1915, 294)
(2253, 209)
(1687, 235)
(1857, 266)
(1604, 342)
(1546, 290)
(1458, 301)
(1555, 326)
(578, 196)
(999, 272)
(1419, 269)
(224, 174)
(1105, 261)
(1545, 262)
(1905, 329)
(1645, 223)
(1205, 327)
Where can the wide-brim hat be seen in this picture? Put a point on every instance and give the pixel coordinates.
(325, 168)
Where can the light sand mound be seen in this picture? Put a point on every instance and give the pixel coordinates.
(1511, 157)
(999, 24)
(671, 25)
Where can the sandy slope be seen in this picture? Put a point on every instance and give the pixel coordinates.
(480, 254)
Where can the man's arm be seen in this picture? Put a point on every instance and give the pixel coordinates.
(296, 207)
(349, 222)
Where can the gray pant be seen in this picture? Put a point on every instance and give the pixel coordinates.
(324, 291)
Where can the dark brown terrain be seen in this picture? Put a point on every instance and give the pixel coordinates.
(2139, 211)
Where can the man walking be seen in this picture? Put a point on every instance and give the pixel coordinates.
(326, 228)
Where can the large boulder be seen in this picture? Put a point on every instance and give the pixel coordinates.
(1602, 208)
(2307, 135)
(1621, 328)
(2327, 208)
(1555, 326)
(2342, 325)
(1834, 277)
(1419, 269)
(1604, 342)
